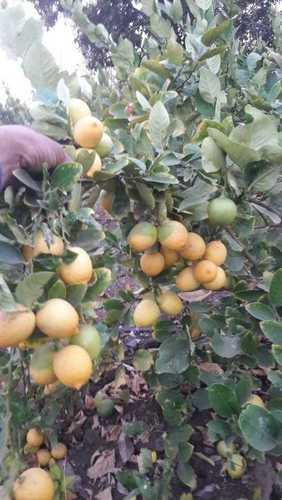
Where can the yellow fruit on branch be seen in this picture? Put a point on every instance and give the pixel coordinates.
(236, 466)
(78, 109)
(106, 201)
(195, 333)
(43, 456)
(171, 257)
(152, 264)
(88, 132)
(170, 303)
(205, 271)
(255, 400)
(218, 282)
(105, 146)
(225, 449)
(34, 438)
(59, 451)
(142, 236)
(95, 167)
(40, 247)
(79, 271)
(41, 365)
(57, 319)
(216, 252)
(34, 484)
(185, 280)
(146, 313)
(88, 338)
(73, 366)
(194, 247)
(173, 235)
(16, 326)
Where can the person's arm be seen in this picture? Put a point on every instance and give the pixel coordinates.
(23, 147)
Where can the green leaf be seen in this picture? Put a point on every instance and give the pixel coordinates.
(173, 356)
(7, 300)
(49, 74)
(187, 475)
(10, 255)
(215, 33)
(143, 360)
(223, 400)
(76, 294)
(226, 346)
(277, 353)
(260, 311)
(158, 124)
(259, 428)
(275, 377)
(103, 277)
(240, 153)
(275, 291)
(31, 288)
(209, 85)
(65, 176)
(272, 330)
(57, 291)
(26, 179)
(159, 26)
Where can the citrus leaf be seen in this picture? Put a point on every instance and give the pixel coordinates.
(103, 278)
(259, 428)
(9, 254)
(76, 294)
(65, 176)
(187, 475)
(226, 346)
(272, 330)
(158, 124)
(277, 353)
(209, 85)
(57, 291)
(31, 288)
(275, 291)
(143, 360)
(260, 311)
(173, 356)
(214, 33)
(223, 400)
(7, 300)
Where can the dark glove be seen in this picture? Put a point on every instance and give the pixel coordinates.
(22, 147)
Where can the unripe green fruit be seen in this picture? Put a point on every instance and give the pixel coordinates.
(222, 211)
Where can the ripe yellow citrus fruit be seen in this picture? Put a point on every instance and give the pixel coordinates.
(105, 146)
(88, 338)
(205, 271)
(170, 303)
(171, 257)
(146, 313)
(222, 211)
(59, 451)
(173, 235)
(106, 201)
(186, 281)
(142, 236)
(88, 132)
(58, 319)
(34, 484)
(216, 252)
(34, 438)
(152, 264)
(79, 271)
(43, 456)
(78, 109)
(41, 365)
(225, 449)
(41, 247)
(16, 326)
(218, 282)
(255, 400)
(236, 466)
(73, 366)
(194, 247)
(95, 167)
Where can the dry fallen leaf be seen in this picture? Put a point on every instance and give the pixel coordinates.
(105, 464)
(111, 433)
(125, 448)
(213, 368)
(105, 495)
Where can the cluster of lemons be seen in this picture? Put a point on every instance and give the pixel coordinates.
(68, 361)
(165, 247)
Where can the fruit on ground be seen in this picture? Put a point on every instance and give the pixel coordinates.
(186, 281)
(95, 167)
(78, 109)
(222, 211)
(57, 319)
(152, 264)
(40, 247)
(88, 338)
(34, 438)
(205, 271)
(104, 407)
(173, 235)
(73, 366)
(106, 201)
(146, 313)
(34, 484)
(59, 451)
(88, 132)
(171, 257)
(142, 236)
(225, 449)
(105, 146)
(79, 271)
(41, 365)
(170, 303)
(256, 400)
(16, 326)
(194, 247)
(43, 456)
(216, 252)
(218, 282)
(236, 466)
